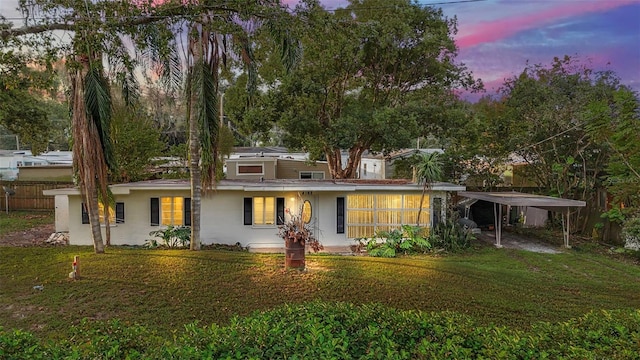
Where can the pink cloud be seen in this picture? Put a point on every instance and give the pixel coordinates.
(500, 29)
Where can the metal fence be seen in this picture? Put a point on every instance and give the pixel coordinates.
(27, 195)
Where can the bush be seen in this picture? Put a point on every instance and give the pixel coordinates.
(408, 240)
(171, 237)
(319, 330)
(451, 236)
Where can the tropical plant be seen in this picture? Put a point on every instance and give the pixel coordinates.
(171, 237)
(428, 170)
(406, 240)
(97, 29)
(450, 236)
(218, 36)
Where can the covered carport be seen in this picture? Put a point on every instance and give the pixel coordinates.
(514, 198)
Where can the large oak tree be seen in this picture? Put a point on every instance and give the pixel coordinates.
(369, 76)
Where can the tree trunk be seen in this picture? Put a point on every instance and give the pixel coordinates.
(424, 190)
(94, 220)
(82, 155)
(196, 185)
(194, 155)
(334, 162)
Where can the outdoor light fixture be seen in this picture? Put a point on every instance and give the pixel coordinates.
(7, 192)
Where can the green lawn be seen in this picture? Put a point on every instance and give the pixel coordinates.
(165, 289)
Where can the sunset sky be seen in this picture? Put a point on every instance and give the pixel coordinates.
(497, 37)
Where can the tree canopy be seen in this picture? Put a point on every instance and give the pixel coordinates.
(367, 77)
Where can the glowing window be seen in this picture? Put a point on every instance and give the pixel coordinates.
(368, 213)
(306, 211)
(171, 211)
(264, 210)
(112, 214)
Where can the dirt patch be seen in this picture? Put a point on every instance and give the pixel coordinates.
(36, 236)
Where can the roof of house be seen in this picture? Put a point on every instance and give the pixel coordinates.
(273, 185)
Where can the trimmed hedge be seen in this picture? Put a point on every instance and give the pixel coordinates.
(320, 330)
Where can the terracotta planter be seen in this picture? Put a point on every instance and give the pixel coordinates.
(294, 255)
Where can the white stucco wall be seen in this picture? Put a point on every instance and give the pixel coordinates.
(223, 216)
(221, 221)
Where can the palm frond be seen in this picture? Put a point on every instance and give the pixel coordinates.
(205, 93)
(290, 46)
(98, 107)
(429, 169)
(159, 52)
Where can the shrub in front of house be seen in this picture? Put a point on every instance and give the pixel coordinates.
(171, 237)
(407, 240)
(320, 330)
(450, 236)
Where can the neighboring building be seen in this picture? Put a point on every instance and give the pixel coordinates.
(63, 173)
(249, 211)
(269, 168)
(12, 161)
(380, 166)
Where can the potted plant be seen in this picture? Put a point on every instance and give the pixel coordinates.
(297, 234)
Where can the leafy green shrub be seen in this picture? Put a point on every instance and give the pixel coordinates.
(18, 344)
(451, 236)
(112, 339)
(171, 237)
(631, 233)
(322, 330)
(226, 247)
(408, 240)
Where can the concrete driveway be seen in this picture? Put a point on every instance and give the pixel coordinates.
(515, 241)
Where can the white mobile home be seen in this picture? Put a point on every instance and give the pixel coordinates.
(249, 211)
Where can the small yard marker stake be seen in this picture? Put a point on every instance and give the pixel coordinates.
(76, 268)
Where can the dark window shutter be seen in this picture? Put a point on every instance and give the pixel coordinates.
(85, 214)
(279, 211)
(248, 211)
(155, 212)
(340, 215)
(187, 212)
(119, 213)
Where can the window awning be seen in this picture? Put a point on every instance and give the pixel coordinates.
(514, 198)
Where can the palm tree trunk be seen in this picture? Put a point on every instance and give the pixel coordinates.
(82, 151)
(196, 184)
(194, 151)
(94, 221)
(424, 191)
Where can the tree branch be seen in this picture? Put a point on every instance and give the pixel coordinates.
(175, 11)
(36, 29)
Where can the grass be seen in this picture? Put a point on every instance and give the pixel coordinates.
(23, 220)
(165, 289)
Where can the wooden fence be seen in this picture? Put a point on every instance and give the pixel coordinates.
(28, 195)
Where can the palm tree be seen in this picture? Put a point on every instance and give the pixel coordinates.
(92, 149)
(428, 170)
(207, 54)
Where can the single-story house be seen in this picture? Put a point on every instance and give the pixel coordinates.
(249, 211)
